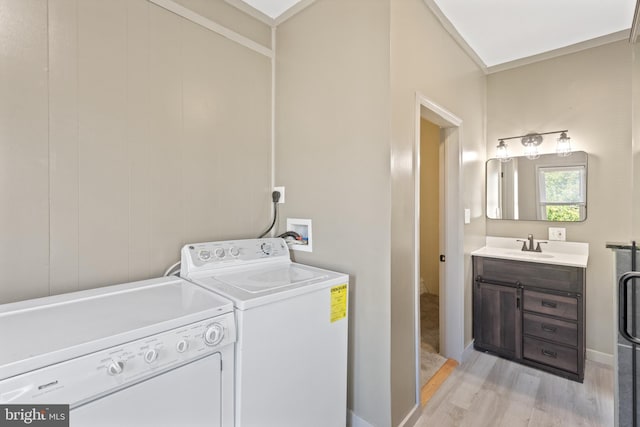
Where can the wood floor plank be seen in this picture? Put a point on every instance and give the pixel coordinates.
(437, 380)
(521, 401)
(453, 383)
(474, 381)
(494, 392)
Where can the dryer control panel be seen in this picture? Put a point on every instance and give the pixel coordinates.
(199, 257)
(81, 379)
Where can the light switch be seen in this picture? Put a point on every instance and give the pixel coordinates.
(467, 216)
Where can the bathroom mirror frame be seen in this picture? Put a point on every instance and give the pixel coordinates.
(538, 197)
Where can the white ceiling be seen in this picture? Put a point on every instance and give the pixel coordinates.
(272, 8)
(501, 31)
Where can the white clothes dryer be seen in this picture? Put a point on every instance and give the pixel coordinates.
(153, 353)
(291, 352)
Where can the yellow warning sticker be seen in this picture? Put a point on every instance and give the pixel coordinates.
(338, 302)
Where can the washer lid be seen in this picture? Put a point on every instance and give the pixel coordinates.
(251, 287)
(267, 279)
(52, 329)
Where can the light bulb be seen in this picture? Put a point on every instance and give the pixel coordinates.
(531, 151)
(563, 145)
(502, 152)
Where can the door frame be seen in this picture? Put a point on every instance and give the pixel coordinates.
(452, 236)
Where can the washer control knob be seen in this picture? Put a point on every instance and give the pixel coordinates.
(234, 251)
(115, 368)
(151, 355)
(266, 248)
(182, 346)
(214, 334)
(204, 255)
(219, 253)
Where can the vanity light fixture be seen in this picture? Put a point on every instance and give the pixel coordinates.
(502, 152)
(531, 141)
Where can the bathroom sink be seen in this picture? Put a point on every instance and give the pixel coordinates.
(574, 254)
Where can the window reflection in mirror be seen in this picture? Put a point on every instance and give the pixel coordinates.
(550, 188)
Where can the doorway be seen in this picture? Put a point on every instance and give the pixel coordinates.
(450, 235)
(431, 183)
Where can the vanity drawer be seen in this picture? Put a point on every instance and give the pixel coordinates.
(539, 275)
(551, 329)
(550, 354)
(553, 305)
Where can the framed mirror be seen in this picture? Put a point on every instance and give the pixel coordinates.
(549, 188)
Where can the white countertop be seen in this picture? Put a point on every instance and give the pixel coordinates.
(574, 254)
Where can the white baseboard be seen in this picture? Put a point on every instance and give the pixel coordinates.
(355, 421)
(600, 357)
(412, 417)
(467, 352)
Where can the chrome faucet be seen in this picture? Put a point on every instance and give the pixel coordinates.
(530, 248)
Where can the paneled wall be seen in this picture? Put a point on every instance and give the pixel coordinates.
(427, 60)
(332, 154)
(126, 131)
(347, 76)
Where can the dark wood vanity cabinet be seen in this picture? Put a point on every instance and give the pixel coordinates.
(497, 318)
(532, 313)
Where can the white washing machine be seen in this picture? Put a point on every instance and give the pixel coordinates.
(291, 353)
(158, 352)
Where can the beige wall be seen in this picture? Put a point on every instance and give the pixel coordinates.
(429, 207)
(424, 58)
(332, 115)
(332, 154)
(588, 93)
(123, 135)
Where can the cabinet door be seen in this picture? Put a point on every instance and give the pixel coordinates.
(497, 319)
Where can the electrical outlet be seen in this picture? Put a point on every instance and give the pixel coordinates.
(281, 190)
(557, 233)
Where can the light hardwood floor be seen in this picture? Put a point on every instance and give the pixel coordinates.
(436, 381)
(487, 391)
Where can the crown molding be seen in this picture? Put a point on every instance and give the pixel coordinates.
(293, 10)
(252, 11)
(635, 26)
(207, 23)
(566, 50)
(453, 32)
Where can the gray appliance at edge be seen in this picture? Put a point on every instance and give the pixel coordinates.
(628, 351)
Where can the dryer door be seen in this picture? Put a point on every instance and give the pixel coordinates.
(187, 396)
